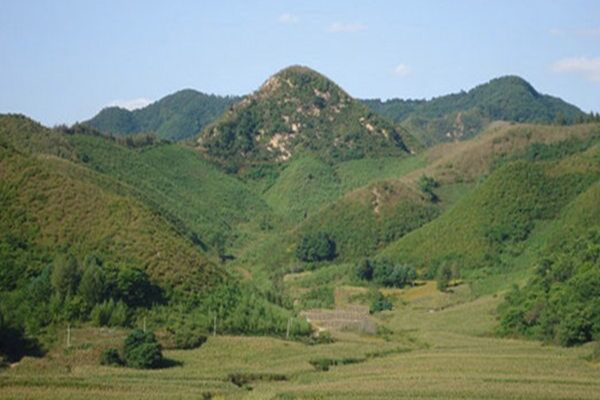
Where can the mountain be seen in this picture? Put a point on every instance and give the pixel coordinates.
(299, 111)
(178, 116)
(465, 114)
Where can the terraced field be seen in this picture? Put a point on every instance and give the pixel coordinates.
(436, 346)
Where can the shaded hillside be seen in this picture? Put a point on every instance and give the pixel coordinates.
(51, 204)
(180, 115)
(298, 111)
(465, 114)
(203, 201)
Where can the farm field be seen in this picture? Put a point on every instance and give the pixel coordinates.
(436, 346)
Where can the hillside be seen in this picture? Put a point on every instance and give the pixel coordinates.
(50, 203)
(463, 115)
(178, 116)
(491, 225)
(203, 202)
(298, 111)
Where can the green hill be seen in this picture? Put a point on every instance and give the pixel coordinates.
(53, 204)
(560, 303)
(465, 114)
(298, 111)
(195, 195)
(489, 226)
(178, 116)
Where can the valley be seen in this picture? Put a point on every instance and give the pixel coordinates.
(429, 266)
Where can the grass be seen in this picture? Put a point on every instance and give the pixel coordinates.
(450, 356)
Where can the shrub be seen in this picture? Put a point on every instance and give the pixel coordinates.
(92, 286)
(142, 350)
(364, 270)
(65, 276)
(389, 274)
(444, 274)
(322, 364)
(188, 339)
(110, 357)
(110, 313)
(380, 303)
(427, 184)
(316, 247)
(242, 378)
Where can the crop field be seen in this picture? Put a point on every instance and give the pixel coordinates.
(436, 346)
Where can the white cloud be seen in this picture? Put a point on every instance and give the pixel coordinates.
(589, 32)
(557, 32)
(337, 27)
(581, 32)
(131, 104)
(288, 19)
(402, 70)
(588, 67)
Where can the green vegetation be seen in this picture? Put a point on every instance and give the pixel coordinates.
(464, 115)
(202, 202)
(410, 259)
(560, 302)
(316, 247)
(384, 272)
(142, 350)
(380, 303)
(488, 225)
(298, 111)
(180, 115)
(111, 357)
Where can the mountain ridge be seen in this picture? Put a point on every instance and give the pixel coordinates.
(176, 116)
(462, 115)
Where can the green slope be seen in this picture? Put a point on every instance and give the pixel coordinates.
(180, 115)
(491, 223)
(53, 205)
(196, 195)
(465, 114)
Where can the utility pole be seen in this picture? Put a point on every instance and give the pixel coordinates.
(144, 324)
(289, 325)
(215, 325)
(69, 335)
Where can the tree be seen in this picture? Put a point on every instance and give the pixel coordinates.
(427, 184)
(380, 303)
(92, 287)
(142, 350)
(316, 247)
(65, 276)
(443, 277)
(364, 270)
(387, 273)
(135, 288)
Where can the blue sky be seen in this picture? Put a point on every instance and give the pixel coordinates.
(62, 61)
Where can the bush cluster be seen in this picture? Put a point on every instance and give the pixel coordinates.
(561, 303)
(316, 247)
(385, 272)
